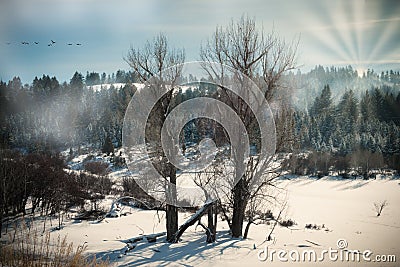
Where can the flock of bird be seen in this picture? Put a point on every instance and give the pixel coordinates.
(49, 44)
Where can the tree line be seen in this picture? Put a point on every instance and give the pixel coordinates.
(354, 133)
(49, 116)
(340, 79)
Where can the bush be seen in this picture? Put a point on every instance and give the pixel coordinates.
(287, 223)
(314, 226)
(97, 167)
(119, 161)
(90, 215)
(379, 206)
(267, 215)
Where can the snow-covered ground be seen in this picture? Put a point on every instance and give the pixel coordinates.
(341, 209)
(106, 86)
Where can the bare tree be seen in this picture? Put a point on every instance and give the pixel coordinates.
(264, 58)
(162, 64)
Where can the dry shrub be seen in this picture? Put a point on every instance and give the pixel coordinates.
(379, 206)
(97, 167)
(27, 247)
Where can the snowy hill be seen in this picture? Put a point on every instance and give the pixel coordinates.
(106, 86)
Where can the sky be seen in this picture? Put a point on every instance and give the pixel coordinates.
(361, 33)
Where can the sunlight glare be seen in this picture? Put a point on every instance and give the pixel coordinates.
(356, 33)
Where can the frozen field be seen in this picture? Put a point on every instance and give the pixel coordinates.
(340, 209)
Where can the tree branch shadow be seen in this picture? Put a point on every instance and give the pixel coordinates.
(192, 250)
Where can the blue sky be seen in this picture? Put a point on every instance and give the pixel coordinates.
(362, 33)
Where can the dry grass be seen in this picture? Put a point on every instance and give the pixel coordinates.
(26, 247)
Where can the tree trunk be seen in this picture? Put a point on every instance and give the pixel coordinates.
(172, 221)
(212, 223)
(1, 219)
(246, 230)
(171, 210)
(239, 207)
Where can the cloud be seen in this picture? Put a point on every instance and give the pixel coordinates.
(331, 30)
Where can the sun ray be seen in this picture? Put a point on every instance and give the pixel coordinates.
(324, 35)
(344, 29)
(359, 9)
(382, 38)
(358, 33)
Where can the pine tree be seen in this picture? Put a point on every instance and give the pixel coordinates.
(76, 85)
(322, 113)
(347, 111)
(367, 108)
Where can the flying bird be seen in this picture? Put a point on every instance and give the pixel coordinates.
(78, 44)
(69, 44)
(36, 42)
(53, 42)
